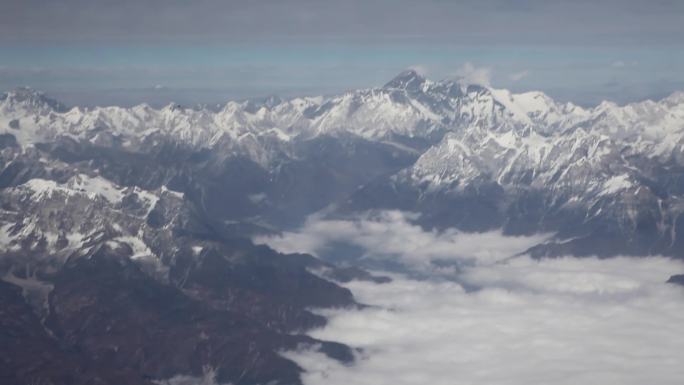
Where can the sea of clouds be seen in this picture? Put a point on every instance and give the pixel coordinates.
(392, 236)
(493, 315)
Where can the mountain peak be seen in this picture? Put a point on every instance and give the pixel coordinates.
(30, 98)
(253, 105)
(409, 79)
(675, 98)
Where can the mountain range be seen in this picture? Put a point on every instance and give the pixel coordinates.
(113, 219)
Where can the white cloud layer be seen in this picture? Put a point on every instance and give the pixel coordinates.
(558, 321)
(421, 69)
(517, 76)
(555, 321)
(470, 74)
(392, 235)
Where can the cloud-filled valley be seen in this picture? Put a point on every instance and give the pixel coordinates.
(394, 237)
(361, 192)
(622, 328)
(493, 317)
(507, 243)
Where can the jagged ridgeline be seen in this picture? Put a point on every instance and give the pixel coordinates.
(606, 180)
(115, 219)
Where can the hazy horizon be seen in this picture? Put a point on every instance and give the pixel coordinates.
(90, 53)
(159, 96)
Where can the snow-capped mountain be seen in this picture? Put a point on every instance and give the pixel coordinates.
(604, 142)
(408, 106)
(113, 217)
(87, 265)
(494, 148)
(507, 158)
(610, 174)
(56, 221)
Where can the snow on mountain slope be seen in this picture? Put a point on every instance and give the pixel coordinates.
(489, 133)
(395, 109)
(59, 220)
(614, 172)
(408, 106)
(605, 144)
(623, 161)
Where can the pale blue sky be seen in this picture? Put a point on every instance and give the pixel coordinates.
(206, 51)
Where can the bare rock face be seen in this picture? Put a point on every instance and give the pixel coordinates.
(113, 284)
(677, 279)
(109, 322)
